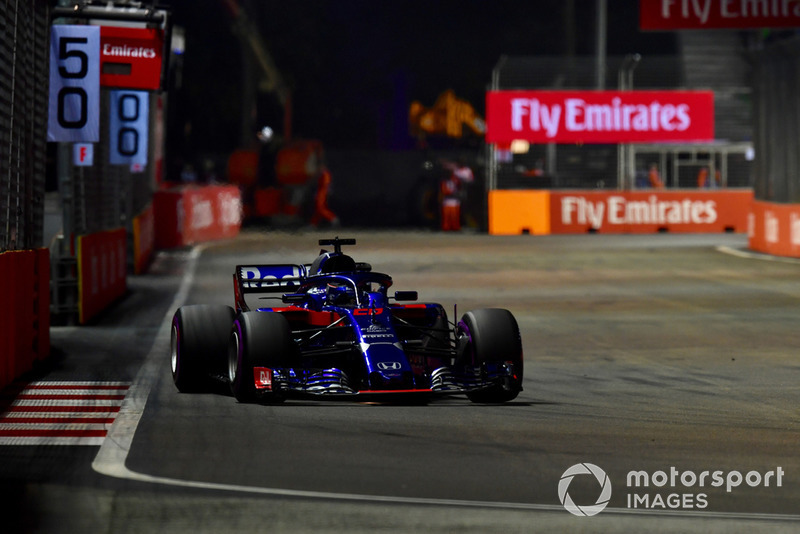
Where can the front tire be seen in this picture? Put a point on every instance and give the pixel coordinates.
(491, 336)
(257, 339)
(199, 339)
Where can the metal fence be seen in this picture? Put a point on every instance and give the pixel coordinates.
(104, 196)
(24, 31)
(93, 199)
(777, 114)
(617, 166)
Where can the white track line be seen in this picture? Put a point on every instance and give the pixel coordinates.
(77, 384)
(66, 404)
(36, 441)
(110, 460)
(749, 254)
(10, 416)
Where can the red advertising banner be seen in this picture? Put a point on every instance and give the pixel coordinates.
(775, 228)
(683, 211)
(668, 15)
(130, 58)
(17, 314)
(102, 271)
(143, 239)
(599, 116)
(188, 215)
(24, 311)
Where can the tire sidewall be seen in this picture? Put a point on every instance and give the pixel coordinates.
(492, 336)
(257, 339)
(198, 343)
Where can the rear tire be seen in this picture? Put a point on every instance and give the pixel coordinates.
(257, 339)
(199, 340)
(492, 336)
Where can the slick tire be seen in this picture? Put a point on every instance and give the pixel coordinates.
(199, 341)
(257, 339)
(492, 335)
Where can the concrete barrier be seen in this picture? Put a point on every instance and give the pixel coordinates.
(102, 271)
(516, 212)
(143, 239)
(619, 212)
(775, 228)
(24, 311)
(190, 214)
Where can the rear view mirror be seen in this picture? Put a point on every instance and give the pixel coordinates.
(405, 295)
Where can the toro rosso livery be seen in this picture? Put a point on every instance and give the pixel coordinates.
(331, 329)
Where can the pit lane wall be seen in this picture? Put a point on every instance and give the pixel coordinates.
(775, 228)
(543, 212)
(24, 321)
(177, 217)
(189, 214)
(144, 239)
(102, 271)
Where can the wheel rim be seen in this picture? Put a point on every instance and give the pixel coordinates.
(463, 331)
(174, 349)
(233, 356)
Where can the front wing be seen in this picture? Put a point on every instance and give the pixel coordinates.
(334, 383)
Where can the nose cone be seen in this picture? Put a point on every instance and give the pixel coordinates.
(387, 366)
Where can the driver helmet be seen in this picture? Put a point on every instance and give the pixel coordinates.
(340, 294)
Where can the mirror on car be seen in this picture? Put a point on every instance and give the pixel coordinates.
(405, 295)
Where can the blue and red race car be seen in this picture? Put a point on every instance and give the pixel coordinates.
(339, 333)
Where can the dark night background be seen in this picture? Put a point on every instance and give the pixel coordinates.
(354, 66)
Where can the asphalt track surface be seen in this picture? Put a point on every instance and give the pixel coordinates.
(657, 353)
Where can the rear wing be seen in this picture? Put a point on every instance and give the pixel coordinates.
(275, 278)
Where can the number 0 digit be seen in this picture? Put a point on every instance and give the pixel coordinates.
(124, 107)
(83, 103)
(128, 141)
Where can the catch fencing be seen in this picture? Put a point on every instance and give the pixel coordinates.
(104, 196)
(777, 119)
(612, 166)
(24, 266)
(24, 27)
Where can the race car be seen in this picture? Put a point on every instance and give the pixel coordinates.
(337, 333)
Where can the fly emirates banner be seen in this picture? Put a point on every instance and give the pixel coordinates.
(599, 116)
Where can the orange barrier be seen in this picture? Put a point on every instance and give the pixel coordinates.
(620, 212)
(188, 215)
(682, 211)
(519, 212)
(298, 162)
(775, 228)
(102, 271)
(268, 202)
(243, 167)
(24, 311)
(143, 239)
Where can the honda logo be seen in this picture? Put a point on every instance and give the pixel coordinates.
(389, 366)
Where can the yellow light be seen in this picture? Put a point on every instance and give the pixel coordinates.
(520, 146)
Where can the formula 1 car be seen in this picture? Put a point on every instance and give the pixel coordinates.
(340, 334)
